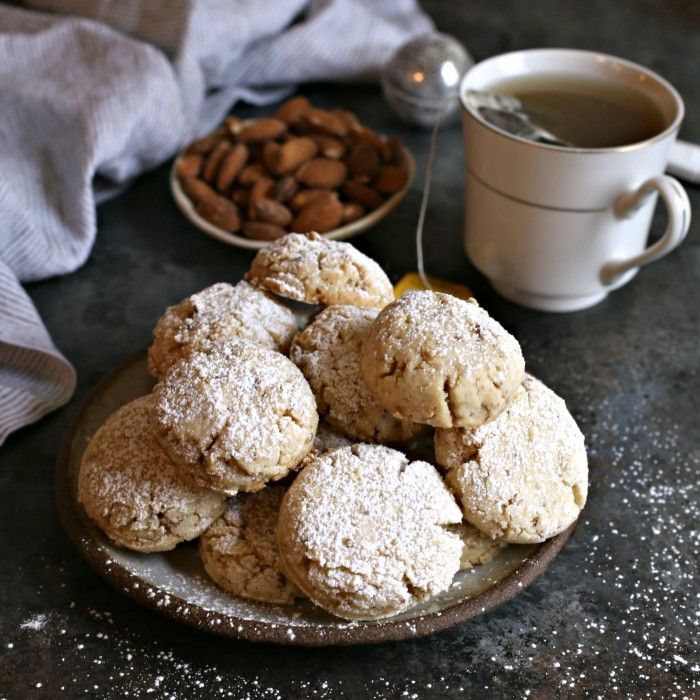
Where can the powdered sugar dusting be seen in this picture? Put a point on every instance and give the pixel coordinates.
(214, 314)
(523, 477)
(236, 417)
(360, 532)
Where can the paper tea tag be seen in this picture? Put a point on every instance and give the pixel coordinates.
(411, 281)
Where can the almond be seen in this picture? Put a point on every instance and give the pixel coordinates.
(272, 212)
(205, 144)
(348, 118)
(270, 156)
(221, 212)
(330, 146)
(322, 172)
(188, 166)
(304, 197)
(197, 189)
(363, 161)
(261, 231)
(319, 215)
(214, 160)
(251, 174)
(285, 189)
(262, 130)
(391, 151)
(234, 125)
(240, 197)
(258, 191)
(366, 196)
(290, 111)
(365, 135)
(391, 179)
(321, 121)
(231, 165)
(294, 153)
(352, 212)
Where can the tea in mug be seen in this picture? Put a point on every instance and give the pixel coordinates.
(584, 111)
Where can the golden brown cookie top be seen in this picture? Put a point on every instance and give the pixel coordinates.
(315, 270)
(133, 490)
(328, 353)
(214, 314)
(433, 358)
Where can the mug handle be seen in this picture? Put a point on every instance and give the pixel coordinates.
(678, 209)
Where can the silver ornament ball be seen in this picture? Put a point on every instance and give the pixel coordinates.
(421, 80)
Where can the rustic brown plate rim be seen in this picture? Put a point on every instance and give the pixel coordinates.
(86, 540)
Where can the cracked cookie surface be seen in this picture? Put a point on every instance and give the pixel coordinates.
(433, 358)
(328, 353)
(363, 532)
(236, 417)
(315, 270)
(523, 477)
(239, 551)
(214, 314)
(134, 492)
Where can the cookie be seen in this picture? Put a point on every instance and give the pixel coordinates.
(315, 270)
(134, 492)
(328, 353)
(363, 532)
(236, 417)
(216, 313)
(239, 551)
(477, 548)
(436, 359)
(524, 476)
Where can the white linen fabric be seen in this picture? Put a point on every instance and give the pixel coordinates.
(111, 88)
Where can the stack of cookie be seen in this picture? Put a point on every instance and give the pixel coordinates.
(229, 447)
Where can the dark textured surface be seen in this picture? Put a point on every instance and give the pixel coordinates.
(616, 614)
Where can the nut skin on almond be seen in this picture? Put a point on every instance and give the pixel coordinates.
(290, 111)
(262, 231)
(231, 165)
(391, 179)
(197, 189)
(319, 215)
(363, 161)
(352, 211)
(323, 173)
(320, 121)
(329, 146)
(216, 157)
(260, 189)
(205, 144)
(272, 212)
(188, 165)
(264, 129)
(304, 197)
(251, 174)
(284, 189)
(293, 154)
(221, 212)
(366, 196)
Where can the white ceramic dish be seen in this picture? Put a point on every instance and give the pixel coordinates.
(348, 231)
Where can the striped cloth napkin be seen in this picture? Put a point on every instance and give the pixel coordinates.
(115, 87)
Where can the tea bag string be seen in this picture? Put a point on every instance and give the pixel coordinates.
(426, 194)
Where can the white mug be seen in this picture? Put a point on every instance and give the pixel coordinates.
(557, 228)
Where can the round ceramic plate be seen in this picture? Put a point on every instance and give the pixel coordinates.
(175, 584)
(347, 231)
